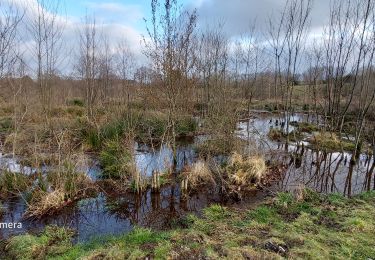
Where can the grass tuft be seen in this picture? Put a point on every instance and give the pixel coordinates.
(116, 160)
(246, 170)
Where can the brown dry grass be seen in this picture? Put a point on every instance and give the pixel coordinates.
(244, 170)
(46, 202)
(63, 194)
(199, 174)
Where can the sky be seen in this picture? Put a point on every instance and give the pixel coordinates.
(236, 14)
(125, 18)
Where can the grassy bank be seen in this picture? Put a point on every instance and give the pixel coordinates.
(306, 225)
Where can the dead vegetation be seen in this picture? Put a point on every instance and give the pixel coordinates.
(239, 173)
(196, 83)
(198, 175)
(58, 194)
(246, 170)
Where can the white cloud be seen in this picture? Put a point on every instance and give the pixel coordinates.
(122, 12)
(116, 21)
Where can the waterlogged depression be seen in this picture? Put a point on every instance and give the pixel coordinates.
(116, 214)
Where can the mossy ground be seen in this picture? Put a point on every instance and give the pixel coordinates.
(306, 226)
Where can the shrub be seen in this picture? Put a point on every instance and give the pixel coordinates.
(75, 111)
(113, 130)
(219, 146)
(152, 125)
(305, 127)
(275, 134)
(278, 135)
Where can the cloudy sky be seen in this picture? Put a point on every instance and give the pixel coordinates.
(125, 18)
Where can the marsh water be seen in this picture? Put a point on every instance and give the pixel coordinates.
(114, 214)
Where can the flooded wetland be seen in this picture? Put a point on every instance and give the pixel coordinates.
(201, 130)
(111, 213)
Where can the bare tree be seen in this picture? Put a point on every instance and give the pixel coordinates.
(88, 63)
(170, 48)
(125, 67)
(213, 59)
(46, 29)
(9, 22)
(106, 69)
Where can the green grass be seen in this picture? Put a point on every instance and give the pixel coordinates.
(146, 127)
(216, 212)
(310, 227)
(13, 183)
(52, 242)
(115, 159)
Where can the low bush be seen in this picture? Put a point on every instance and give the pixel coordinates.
(219, 146)
(276, 134)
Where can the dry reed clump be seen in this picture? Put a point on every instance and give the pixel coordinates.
(45, 202)
(65, 191)
(198, 174)
(246, 170)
